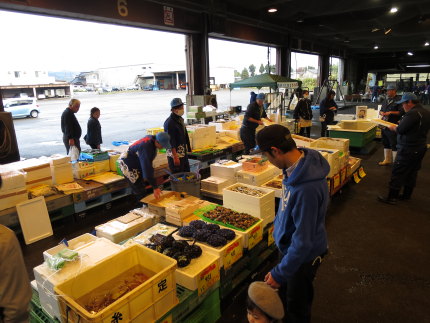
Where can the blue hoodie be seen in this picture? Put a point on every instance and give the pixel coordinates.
(299, 229)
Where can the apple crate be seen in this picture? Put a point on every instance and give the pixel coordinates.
(340, 144)
(333, 158)
(254, 164)
(257, 178)
(228, 254)
(216, 184)
(145, 303)
(225, 169)
(201, 274)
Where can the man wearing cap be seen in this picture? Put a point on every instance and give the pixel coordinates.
(136, 163)
(391, 112)
(179, 140)
(299, 227)
(253, 115)
(411, 148)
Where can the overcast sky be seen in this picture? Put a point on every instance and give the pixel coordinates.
(55, 44)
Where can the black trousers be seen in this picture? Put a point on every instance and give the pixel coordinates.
(389, 139)
(406, 166)
(307, 130)
(184, 165)
(138, 188)
(324, 131)
(247, 136)
(298, 293)
(93, 146)
(66, 144)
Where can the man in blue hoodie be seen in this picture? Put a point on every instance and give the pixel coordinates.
(299, 230)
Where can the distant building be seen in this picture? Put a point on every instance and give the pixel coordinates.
(222, 76)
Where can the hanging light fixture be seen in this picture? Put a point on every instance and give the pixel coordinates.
(387, 31)
(375, 47)
(394, 10)
(410, 54)
(272, 10)
(426, 43)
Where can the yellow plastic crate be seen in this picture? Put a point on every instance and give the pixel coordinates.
(146, 303)
(154, 131)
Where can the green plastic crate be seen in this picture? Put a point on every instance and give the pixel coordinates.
(209, 311)
(359, 133)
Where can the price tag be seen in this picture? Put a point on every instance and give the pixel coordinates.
(356, 178)
(255, 236)
(361, 172)
(270, 239)
(232, 254)
(208, 277)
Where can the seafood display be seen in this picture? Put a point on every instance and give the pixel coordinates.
(247, 190)
(228, 216)
(274, 184)
(207, 232)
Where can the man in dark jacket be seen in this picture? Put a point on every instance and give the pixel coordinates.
(174, 125)
(254, 113)
(411, 148)
(303, 114)
(70, 125)
(299, 227)
(136, 163)
(328, 107)
(391, 112)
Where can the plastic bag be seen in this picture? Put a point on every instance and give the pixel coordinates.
(74, 153)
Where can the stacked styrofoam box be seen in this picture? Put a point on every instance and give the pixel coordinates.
(101, 166)
(91, 252)
(117, 231)
(13, 190)
(61, 169)
(113, 157)
(216, 184)
(302, 141)
(38, 171)
(159, 160)
(331, 143)
(83, 169)
(235, 134)
(202, 136)
(257, 178)
(333, 158)
(225, 169)
(262, 207)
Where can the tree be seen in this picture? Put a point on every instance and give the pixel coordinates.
(272, 68)
(245, 73)
(252, 70)
(236, 73)
(261, 70)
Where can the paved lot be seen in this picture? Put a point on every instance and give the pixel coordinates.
(124, 116)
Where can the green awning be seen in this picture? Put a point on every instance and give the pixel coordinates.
(264, 80)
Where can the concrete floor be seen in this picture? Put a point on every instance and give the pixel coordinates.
(378, 263)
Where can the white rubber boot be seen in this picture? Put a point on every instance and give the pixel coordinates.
(388, 158)
(394, 156)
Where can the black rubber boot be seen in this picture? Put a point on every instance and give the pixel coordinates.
(392, 197)
(407, 193)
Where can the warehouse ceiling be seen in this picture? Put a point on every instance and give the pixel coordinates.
(355, 24)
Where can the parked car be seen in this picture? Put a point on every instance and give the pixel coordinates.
(133, 87)
(22, 107)
(148, 87)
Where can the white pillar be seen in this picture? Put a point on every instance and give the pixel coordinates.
(178, 86)
(34, 92)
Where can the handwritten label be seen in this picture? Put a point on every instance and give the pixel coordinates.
(270, 239)
(255, 236)
(208, 278)
(232, 254)
(361, 172)
(169, 18)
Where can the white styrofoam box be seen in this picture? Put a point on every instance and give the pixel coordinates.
(235, 134)
(101, 166)
(333, 158)
(198, 269)
(90, 255)
(216, 184)
(112, 161)
(302, 141)
(59, 159)
(331, 143)
(62, 173)
(257, 178)
(261, 207)
(203, 136)
(11, 179)
(225, 169)
(74, 244)
(10, 198)
(159, 228)
(38, 171)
